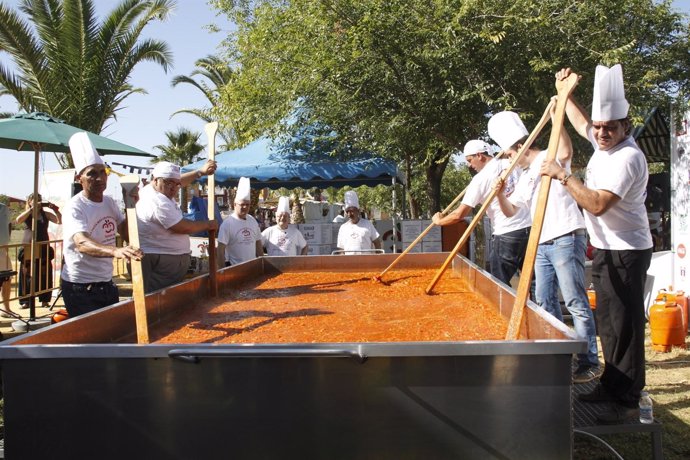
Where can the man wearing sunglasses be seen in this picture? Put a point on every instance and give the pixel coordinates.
(163, 232)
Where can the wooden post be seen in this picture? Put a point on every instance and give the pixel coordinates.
(211, 129)
(129, 182)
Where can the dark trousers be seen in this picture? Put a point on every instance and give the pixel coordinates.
(508, 254)
(619, 278)
(83, 298)
(43, 273)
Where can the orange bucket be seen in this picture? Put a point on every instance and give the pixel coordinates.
(666, 324)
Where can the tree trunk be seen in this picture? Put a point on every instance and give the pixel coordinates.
(413, 205)
(434, 175)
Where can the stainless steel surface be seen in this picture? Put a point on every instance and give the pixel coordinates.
(487, 399)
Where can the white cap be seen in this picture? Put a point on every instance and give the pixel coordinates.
(83, 152)
(283, 205)
(243, 190)
(166, 170)
(608, 99)
(476, 146)
(506, 128)
(351, 199)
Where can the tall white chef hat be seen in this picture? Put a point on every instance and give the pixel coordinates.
(506, 128)
(351, 199)
(243, 190)
(166, 170)
(608, 100)
(476, 146)
(83, 152)
(283, 205)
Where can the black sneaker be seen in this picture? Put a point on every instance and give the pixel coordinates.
(597, 395)
(618, 414)
(584, 374)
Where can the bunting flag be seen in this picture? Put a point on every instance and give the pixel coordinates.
(134, 169)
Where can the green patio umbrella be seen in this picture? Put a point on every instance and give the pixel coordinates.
(39, 132)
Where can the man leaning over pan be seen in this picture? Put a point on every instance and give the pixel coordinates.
(560, 258)
(163, 231)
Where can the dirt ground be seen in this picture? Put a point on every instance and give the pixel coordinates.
(668, 383)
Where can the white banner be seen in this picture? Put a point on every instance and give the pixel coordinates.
(680, 204)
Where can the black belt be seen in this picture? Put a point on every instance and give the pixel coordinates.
(578, 232)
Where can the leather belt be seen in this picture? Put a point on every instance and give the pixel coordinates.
(578, 232)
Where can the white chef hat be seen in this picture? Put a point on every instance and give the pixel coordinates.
(476, 146)
(608, 100)
(166, 170)
(283, 205)
(506, 128)
(243, 190)
(83, 152)
(351, 199)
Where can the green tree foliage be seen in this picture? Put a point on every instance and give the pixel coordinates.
(216, 73)
(414, 79)
(182, 149)
(73, 67)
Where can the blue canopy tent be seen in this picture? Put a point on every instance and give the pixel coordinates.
(274, 166)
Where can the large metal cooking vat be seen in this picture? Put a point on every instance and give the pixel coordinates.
(77, 390)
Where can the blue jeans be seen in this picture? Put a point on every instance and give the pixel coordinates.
(508, 254)
(561, 263)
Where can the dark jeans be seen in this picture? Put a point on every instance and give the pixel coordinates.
(83, 298)
(508, 254)
(619, 278)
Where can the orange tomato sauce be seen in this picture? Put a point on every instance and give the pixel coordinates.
(332, 307)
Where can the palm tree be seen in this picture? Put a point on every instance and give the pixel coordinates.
(73, 67)
(218, 74)
(183, 148)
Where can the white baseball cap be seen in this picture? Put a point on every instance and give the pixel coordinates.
(476, 146)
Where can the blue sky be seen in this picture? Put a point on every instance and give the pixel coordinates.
(145, 118)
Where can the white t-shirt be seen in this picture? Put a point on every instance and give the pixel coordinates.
(100, 222)
(239, 237)
(562, 213)
(156, 213)
(623, 172)
(279, 242)
(481, 187)
(355, 237)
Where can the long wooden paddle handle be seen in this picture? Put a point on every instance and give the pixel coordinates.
(428, 229)
(465, 236)
(137, 275)
(565, 88)
(211, 130)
